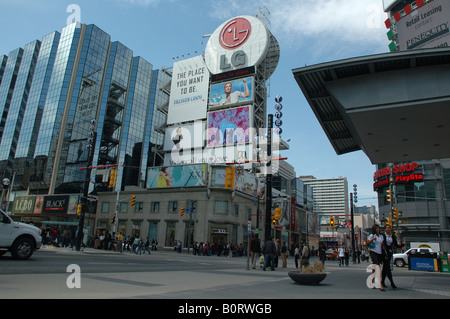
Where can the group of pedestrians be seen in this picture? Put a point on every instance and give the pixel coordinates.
(120, 242)
(381, 247)
(271, 250)
(58, 236)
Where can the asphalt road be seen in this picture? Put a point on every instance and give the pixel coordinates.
(167, 275)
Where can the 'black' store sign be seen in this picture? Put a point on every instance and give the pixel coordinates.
(56, 204)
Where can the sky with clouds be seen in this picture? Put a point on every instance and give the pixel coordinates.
(163, 31)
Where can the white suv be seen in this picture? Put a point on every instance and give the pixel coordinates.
(400, 260)
(18, 238)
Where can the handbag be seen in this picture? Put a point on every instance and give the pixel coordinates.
(372, 244)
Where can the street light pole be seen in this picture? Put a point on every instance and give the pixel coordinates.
(353, 199)
(268, 224)
(87, 179)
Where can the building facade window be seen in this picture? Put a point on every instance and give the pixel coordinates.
(173, 207)
(105, 207)
(221, 207)
(191, 204)
(139, 207)
(154, 207)
(236, 209)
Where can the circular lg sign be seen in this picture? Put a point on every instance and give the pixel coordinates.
(239, 42)
(235, 33)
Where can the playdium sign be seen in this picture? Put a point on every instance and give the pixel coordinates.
(401, 174)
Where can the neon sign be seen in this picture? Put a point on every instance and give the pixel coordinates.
(401, 174)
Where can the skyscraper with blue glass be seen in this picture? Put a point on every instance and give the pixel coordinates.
(51, 90)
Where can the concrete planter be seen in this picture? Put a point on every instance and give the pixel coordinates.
(306, 278)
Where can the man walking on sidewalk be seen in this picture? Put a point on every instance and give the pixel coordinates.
(269, 251)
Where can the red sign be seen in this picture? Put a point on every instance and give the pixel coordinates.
(401, 174)
(292, 214)
(396, 169)
(235, 33)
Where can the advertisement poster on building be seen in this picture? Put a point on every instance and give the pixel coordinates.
(189, 91)
(177, 176)
(232, 92)
(427, 27)
(230, 126)
(184, 137)
(211, 155)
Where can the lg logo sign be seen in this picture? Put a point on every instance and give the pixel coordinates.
(237, 43)
(235, 33)
(239, 58)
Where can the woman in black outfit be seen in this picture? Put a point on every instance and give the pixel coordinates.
(390, 241)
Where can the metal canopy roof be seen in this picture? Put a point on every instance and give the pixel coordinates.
(394, 106)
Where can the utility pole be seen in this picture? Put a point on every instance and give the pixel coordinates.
(87, 180)
(268, 224)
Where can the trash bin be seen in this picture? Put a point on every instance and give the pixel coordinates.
(445, 264)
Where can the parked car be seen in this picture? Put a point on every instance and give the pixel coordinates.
(18, 238)
(400, 260)
(331, 254)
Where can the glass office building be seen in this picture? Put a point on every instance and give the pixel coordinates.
(50, 93)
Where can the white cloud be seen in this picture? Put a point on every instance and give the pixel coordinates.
(357, 22)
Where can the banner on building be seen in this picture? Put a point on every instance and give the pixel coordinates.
(189, 91)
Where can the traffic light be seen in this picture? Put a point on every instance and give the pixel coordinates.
(79, 208)
(277, 215)
(112, 178)
(332, 221)
(113, 219)
(229, 177)
(395, 214)
(388, 195)
(274, 221)
(133, 200)
(181, 211)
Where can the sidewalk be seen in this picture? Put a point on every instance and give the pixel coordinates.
(85, 250)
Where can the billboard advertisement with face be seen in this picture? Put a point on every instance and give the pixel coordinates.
(184, 137)
(229, 93)
(229, 126)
